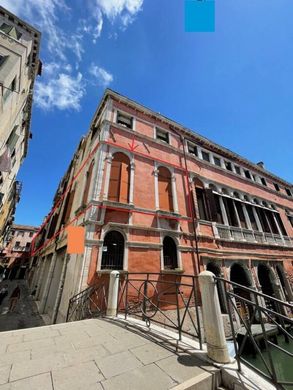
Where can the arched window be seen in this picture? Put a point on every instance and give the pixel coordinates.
(208, 203)
(87, 184)
(165, 189)
(113, 251)
(119, 179)
(170, 253)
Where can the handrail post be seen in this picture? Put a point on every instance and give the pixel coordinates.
(212, 319)
(113, 294)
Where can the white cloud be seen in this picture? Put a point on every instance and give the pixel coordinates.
(62, 85)
(102, 77)
(63, 92)
(116, 8)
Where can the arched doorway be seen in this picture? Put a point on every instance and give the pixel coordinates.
(239, 275)
(264, 277)
(284, 282)
(113, 251)
(216, 270)
(170, 253)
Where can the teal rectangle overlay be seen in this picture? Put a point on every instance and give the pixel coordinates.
(199, 15)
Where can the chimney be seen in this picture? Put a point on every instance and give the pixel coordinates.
(261, 164)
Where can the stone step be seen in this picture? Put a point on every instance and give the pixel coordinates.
(204, 381)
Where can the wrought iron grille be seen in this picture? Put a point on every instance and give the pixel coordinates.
(89, 303)
(257, 322)
(169, 300)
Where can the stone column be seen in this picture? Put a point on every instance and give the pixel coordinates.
(157, 201)
(246, 216)
(48, 283)
(257, 219)
(174, 193)
(107, 178)
(236, 213)
(113, 294)
(131, 185)
(224, 213)
(212, 319)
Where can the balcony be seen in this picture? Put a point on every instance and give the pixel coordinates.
(238, 234)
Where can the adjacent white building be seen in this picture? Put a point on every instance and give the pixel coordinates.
(19, 66)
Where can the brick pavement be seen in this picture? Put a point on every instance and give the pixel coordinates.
(94, 354)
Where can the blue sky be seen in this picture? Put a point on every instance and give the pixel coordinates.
(233, 86)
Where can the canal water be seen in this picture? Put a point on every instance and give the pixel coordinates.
(283, 363)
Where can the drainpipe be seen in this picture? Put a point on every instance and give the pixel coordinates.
(60, 289)
(191, 205)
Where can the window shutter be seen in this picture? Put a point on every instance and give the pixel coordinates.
(124, 183)
(211, 205)
(165, 191)
(114, 185)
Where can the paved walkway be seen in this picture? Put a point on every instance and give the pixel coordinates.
(25, 314)
(95, 354)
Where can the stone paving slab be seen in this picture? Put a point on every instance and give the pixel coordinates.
(93, 354)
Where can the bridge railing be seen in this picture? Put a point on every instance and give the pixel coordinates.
(168, 300)
(258, 322)
(89, 303)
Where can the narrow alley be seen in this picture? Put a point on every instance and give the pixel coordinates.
(25, 314)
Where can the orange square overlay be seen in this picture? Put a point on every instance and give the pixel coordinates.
(75, 239)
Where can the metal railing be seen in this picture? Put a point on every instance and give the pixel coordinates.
(89, 303)
(169, 300)
(257, 322)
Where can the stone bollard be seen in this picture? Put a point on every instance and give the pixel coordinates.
(113, 294)
(212, 319)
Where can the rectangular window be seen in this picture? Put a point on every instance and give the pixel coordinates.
(277, 188)
(205, 156)
(217, 161)
(219, 211)
(280, 223)
(124, 120)
(192, 149)
(228, 165)
(263, 181)
(288, 191)
(162, 135)
(247, 174)
(9, 90)
(290, 219)
(241, 214)
(232, 219)
(237, 169)
(2, 59)
(263, 220)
